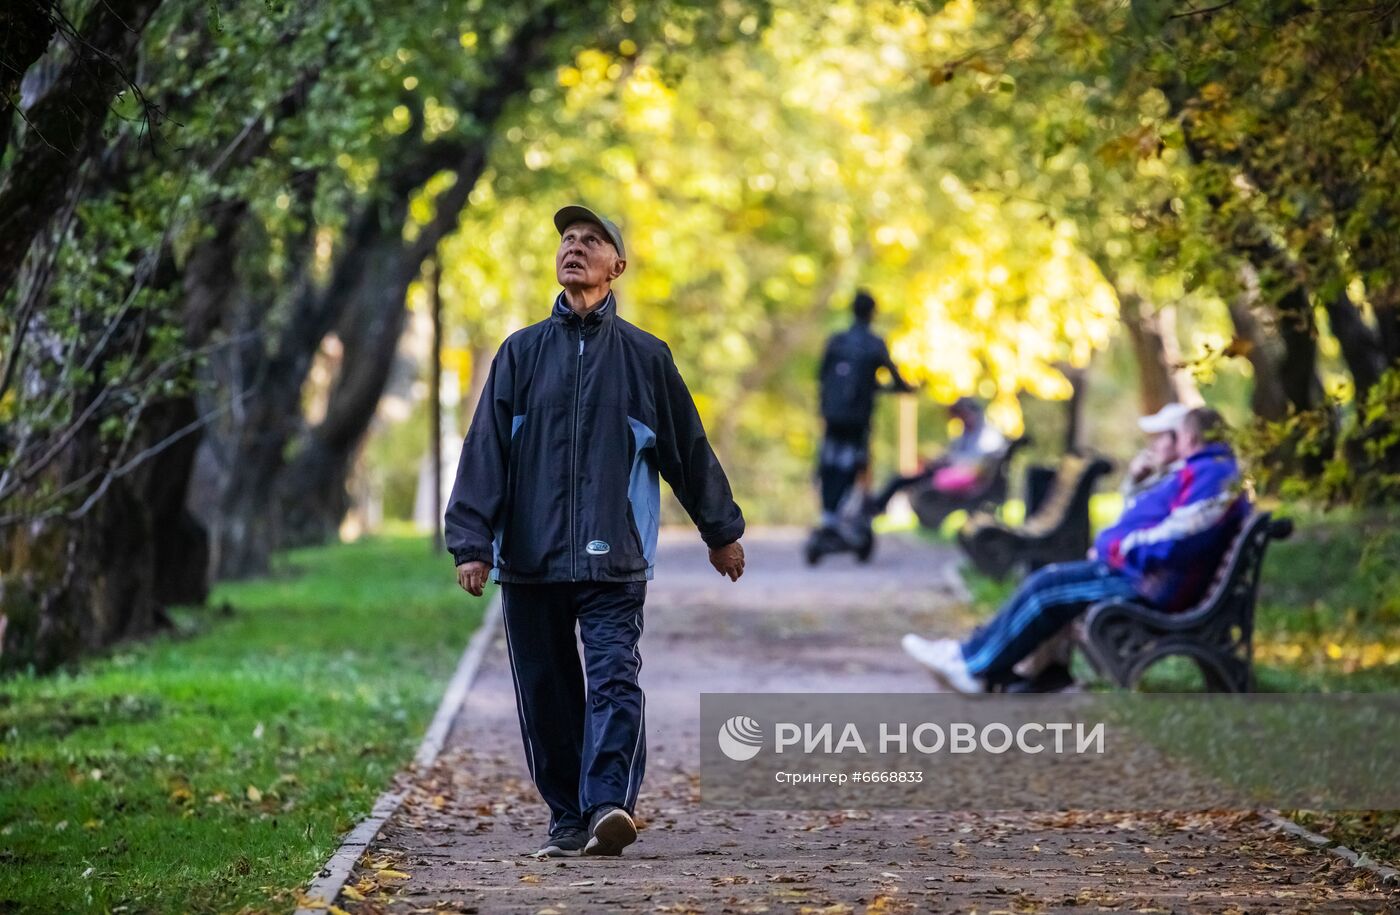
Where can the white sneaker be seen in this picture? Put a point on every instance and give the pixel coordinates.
(943, 658)
(926, 651)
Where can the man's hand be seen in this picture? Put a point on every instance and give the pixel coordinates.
(728, 560)
(472, 577)
(1140, 467)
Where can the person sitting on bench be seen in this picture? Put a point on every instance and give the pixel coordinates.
(960, 470)
(1163, 551)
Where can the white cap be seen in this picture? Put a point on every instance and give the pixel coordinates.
(1167, 419)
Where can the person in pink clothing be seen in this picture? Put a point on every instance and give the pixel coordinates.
(960, 470)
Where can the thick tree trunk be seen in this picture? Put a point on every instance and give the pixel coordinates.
(1268, 398)
(1361, 347)
(74, 585)
(106, 568)
(246, 455)
(64, 123)
(28, 28)
(254, 386)
(313, 493)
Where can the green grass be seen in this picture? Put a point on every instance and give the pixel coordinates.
(215, 768)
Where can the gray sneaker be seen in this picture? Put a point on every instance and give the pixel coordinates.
(564, 842)
(612, 831)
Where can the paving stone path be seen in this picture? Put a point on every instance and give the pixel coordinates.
(460, 841)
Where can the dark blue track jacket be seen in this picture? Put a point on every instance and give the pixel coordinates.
(558, 475)
(847, 376)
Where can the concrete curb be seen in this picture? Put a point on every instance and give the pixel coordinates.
(332, 876)
(1387, 875)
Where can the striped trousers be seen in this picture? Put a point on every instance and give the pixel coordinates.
(1049, 598)
(585, 740)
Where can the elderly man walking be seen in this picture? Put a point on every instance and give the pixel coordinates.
(556, 498)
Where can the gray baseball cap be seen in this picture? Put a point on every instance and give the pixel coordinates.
(576, 213)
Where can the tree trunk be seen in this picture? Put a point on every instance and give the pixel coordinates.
(1268, 398)
(435, 400)
(308, 493)
(313, 494)
(28, 28)
(64, 124)
(1076, 428)
(1162, 379)
(73, 585)
(1386, 304)
(1361, 347)
(1297, 328)
(255, 388)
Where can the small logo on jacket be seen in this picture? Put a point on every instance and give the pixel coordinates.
(740, 738)
(597, 548)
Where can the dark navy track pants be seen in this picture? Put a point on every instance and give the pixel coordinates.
(1049, 598)
(585, 741)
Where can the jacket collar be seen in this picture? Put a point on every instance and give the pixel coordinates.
(1210, 451)
(596, 319)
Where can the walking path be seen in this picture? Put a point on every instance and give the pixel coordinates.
(460, 841)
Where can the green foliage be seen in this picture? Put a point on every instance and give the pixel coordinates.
(218, 767)
(1359, 466)
(752, 214)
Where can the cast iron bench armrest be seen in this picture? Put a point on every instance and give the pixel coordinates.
(1122, 638)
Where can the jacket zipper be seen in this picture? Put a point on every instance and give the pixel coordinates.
(573, 463)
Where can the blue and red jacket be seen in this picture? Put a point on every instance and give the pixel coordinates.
(1171, 539)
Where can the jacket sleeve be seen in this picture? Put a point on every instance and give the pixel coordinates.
(473, 510)
(688, 463)
(825, 365)
(896, 382)
(1203, 500)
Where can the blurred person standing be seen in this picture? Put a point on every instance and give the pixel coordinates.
(849, 379)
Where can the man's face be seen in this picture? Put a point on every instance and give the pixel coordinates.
(1163, 448)
(586, 257)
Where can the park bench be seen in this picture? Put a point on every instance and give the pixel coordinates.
(931, 506)
(1122, 639)
(1057, 530)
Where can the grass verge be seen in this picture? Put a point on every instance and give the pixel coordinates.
(214, 768)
